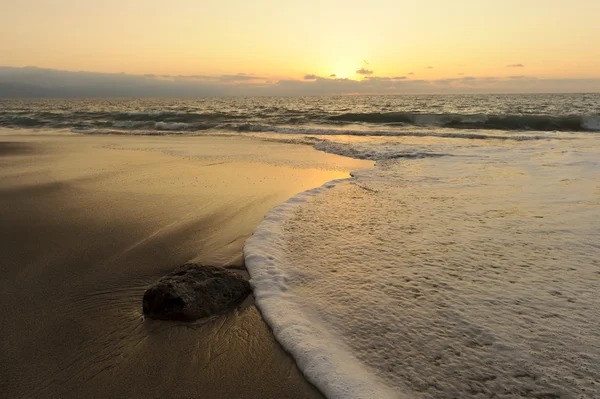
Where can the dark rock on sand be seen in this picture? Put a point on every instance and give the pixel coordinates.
(193, 292)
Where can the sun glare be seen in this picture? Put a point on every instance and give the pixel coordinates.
(344, 70)
(341, 67)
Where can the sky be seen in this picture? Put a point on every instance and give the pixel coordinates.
(410, 46)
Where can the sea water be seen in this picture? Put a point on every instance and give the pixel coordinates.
(466, 263)
(459, 270)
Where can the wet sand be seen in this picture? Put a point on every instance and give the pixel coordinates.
(88, 223)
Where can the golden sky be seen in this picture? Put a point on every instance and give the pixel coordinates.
(433, 39)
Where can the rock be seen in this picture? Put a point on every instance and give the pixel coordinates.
(193, 292)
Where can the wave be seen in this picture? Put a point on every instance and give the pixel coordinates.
(477, 121)
(184, 128)
(373, 151)
(251, 120)
(109, 132)
(129, 124)
(175, 116)
(23, 121)
(591, 123)
(322, 357)
(123, 120)
(390, 133)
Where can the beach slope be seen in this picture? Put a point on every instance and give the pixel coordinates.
(88, 223)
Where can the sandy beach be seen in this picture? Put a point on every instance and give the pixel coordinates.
(87, 223)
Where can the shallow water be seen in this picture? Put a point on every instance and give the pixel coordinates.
(473, 274)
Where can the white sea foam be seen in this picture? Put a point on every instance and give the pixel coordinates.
(171, 126)
(432, 119)
(396, 132)
(591, 122)
(118, 132)
(378, 150)
(127, 124)
(322, 357)
(466, 276)
(153, 113)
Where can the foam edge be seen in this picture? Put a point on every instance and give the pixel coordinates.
(323, 358)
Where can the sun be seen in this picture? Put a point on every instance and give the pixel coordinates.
(342, 66)
(344, 70)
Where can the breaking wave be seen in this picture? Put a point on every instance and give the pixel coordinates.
(391, 133)
(373, 151)
(246, 118)
(183, 128)
(478, 121)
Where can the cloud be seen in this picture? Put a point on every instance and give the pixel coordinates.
(333, 75)
(460, 74)
(239, 78)
(310, 77)
(198, 77)
(364, 71)
(38, 82)
(384, 78)
(379, 78)
(515, 66)
(429, 67)
(411, 73)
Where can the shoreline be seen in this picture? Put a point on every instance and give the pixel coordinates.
(90, 222)
(337, 373)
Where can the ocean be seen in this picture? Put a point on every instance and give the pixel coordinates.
(466, 263)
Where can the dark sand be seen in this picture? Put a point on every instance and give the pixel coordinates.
(88, 223)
